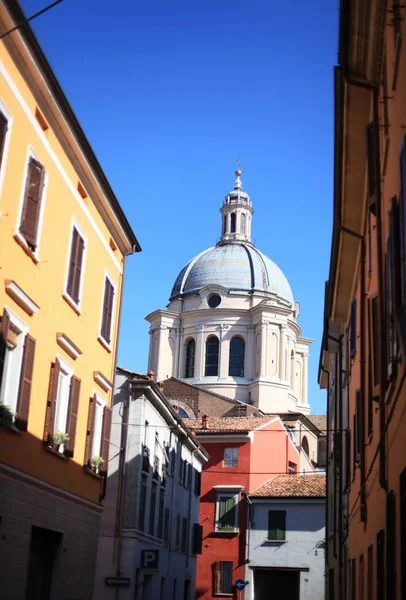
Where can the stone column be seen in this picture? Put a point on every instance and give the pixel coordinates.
(151, 349)
(249, 366)
(262, 368)
(163, 346)
(199, 363)
(224, 350)
(282, 353)
(304, 378)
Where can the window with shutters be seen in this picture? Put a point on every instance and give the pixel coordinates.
(403, 217)
(391, 535)
(361, 578)
(353, 328)
(227, 513)
(98, 434)
(359, 433)
(277, 525)
(76, 261)
(375, 345)
(370, 572)
(198, 482)
(197, 544)
(392, 288)
(62, 407)
(107, 310)
(372, 164)
(5, 123)
(17, 349)
(32, 204)
(98, 426)
(223, 577)
(380, 564)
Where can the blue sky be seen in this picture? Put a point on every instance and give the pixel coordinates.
(170, 93)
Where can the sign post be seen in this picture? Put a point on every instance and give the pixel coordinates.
(240, 585)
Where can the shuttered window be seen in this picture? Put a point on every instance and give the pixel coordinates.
(347, 458)
(107, 310)
(375, 345)
(74, 395)
(227, 513)
(223, 577)
(402, 532)
(198, 482)
(24, 393)
(75, 266)
(359, 433)
(277, 525)
(393, 287)
(361, 578)
(353, 328)
(370, 575)
(90, 429)
(391, 546)
(372, 163)
(403, 216)
(380, 565)
(32, 202)
(3, 134)
(197, 539)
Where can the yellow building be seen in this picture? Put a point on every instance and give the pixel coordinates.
(63, 244)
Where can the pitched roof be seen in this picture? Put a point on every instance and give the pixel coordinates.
(319, 421)
(293, 486)
(227, 424)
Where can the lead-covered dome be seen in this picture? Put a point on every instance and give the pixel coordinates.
(235, 266)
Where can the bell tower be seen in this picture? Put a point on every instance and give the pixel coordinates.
(236, 214)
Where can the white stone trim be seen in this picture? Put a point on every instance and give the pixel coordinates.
(102, 380)
(20, 297)
(48, 147)
(3, 165)
(228, 487)
(16, 233)
(67, 344)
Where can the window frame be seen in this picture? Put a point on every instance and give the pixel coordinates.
(24, 330)
(34, 254)
(275, 539)
(4, 154)
(211, 336)
(75, 305)
(219, 589)
(225, 494)
(69, 373)
(102, 402)
(230, 353)
(190, 359)
(102, 340)
(230, 466)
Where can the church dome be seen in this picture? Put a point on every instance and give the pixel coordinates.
(236, 266)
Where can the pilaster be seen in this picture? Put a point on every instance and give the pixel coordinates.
(199, 363)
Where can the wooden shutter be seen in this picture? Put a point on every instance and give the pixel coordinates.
(353, 328)
(74, 394)
(347, 458)
(375, 345)
(227, 513)
(51, 403)
(403, 216)
(90, 429)
(5, 325)
(391, 553)
(197, 539)
(372, 162)
(75, 266)
(3, 133)
(24, 393)
(32, 202)
(107, 310)
(105, 441)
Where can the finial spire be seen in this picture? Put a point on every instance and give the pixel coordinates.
(238, 184)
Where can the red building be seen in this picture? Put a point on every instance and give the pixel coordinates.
(245, 452)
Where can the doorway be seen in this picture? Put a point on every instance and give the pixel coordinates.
(44, 550)
(270, 584)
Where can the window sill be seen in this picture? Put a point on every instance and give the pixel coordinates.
(92, 473)
(223, 594)
(103, 342)
(226, 533)
(71, 303)
(23, 243)
(13, 428)
(267, 541)
(55, 452)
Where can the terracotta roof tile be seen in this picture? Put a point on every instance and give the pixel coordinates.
(227, 424)
(293, 486)
(319, 421)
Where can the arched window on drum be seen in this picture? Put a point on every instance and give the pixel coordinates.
(237, 357)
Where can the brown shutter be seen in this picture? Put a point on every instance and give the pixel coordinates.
(3, 133)
(105, 441)
(51, 404)
(32, 202)
(24, 393)
(90, 429)
(375, 344)
(5, 325)
(75, 265)
(74, 394)
(107, 310)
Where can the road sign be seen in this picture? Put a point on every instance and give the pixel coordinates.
(149, 562)
(240, 584)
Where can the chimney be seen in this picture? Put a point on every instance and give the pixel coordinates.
(151, 374)
(161, 385)
(205, 422)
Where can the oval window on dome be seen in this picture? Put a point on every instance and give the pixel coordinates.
(214, 300)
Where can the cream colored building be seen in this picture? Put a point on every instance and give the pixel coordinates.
(231, 323)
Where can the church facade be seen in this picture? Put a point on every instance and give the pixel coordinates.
(231, 325)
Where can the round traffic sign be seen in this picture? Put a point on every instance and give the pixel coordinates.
(240, 584)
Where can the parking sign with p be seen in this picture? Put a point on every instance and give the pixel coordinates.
(149, 562)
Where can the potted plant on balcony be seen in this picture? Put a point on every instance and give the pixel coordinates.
(6, 416)
(58, 439)
(95, 463)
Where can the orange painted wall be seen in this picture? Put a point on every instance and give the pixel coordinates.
(44, 283)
